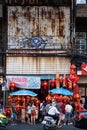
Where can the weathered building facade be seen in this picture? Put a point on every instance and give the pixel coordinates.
(38, 38)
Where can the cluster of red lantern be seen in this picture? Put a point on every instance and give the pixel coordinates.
(12, 86)
(45, 85)
(56, 97)
(52, 83)
(20, 102)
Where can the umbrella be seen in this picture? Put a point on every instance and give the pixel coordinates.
(62, 91)
(23, 93)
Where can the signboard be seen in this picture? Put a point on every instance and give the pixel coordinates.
(80, 1)
(38, 2)
(38, 27)
(25, 81)
(84, 69)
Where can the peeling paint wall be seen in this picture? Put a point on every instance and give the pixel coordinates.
(50, 23)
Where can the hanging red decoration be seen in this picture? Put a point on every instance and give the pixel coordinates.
(56, 97)
(52, 82)
(64, 80)
(66, 98)
(57, 80)
(18, 108)
(7, 111)
(44, 84)
(73, 67)
(60, 98)
(12, 85)
(61, 79)
(48, 98)
(77, 96)
(37, 102)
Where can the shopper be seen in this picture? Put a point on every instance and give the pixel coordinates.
(29, 113)
(68, 113)
(33, 113)
(13, 117)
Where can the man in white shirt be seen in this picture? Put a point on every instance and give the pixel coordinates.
(53, 112)
(68, 112)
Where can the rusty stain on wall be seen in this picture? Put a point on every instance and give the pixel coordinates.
(37, 65)
(51, 23)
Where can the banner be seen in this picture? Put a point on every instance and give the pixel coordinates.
(27, 82)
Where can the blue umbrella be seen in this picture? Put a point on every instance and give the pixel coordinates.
(62, 91)
(23, 93)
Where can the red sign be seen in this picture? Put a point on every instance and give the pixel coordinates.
(84, 69)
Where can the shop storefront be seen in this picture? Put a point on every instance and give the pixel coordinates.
(83, 81)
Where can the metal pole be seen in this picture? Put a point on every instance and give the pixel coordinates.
(4, 98)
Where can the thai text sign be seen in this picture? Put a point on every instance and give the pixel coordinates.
(25, 81)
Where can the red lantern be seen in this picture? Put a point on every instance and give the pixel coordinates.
(18, 108)
(73, 67)
(56, 97)
(44, 84)
(52, 82)
(65, 98)
(60, 98)
(37, 102)
(77, 96)
(48, 98)
(7, 111)
(12, 85)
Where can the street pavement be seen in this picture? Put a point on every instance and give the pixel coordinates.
(37, 126)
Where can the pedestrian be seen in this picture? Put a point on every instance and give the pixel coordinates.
(13, 116)
(33, 113)
(26, 117)
(47, 107)
(41, 109)
(29, 113)
(73, 110)
(68, 113)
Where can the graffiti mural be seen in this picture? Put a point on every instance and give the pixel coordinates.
(32, 27)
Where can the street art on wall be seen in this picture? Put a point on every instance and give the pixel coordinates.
(32, 27)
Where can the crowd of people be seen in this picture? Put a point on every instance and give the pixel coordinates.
(54, 108)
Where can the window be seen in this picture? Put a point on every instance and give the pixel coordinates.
(81, 46)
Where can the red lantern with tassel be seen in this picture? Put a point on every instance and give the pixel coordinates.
(52, 82)
(77, 96)
(37, 102)
(12, 86)
(44, 84)
(48, 98)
